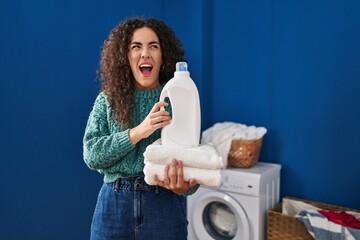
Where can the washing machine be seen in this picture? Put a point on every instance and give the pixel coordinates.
(237, 209)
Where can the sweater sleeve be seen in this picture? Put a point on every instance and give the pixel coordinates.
(101, 148)
(192, 190)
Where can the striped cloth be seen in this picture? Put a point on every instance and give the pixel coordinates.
(323, 229)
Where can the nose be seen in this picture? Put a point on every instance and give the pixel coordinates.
(145, 54)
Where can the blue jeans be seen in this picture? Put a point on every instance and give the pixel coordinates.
(131, 209)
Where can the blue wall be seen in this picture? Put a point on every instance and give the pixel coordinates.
(294, 67)
(291, 66)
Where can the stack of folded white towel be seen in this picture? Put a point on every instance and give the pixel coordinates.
(201, 163)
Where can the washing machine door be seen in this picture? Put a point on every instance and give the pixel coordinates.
(217, 215)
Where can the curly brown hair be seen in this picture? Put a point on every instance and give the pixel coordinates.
(115, 72)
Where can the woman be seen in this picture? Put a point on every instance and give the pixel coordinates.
(137, 59)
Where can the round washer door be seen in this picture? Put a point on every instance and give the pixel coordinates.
(217, 215)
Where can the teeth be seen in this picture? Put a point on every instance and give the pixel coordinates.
(145, 65)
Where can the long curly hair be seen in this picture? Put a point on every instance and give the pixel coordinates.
(117, 79)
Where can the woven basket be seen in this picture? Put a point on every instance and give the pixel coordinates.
(281, 226)
(244, 153)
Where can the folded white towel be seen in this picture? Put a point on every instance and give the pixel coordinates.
(207, 177)
(204, 156)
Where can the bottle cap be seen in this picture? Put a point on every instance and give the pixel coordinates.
(181, 67)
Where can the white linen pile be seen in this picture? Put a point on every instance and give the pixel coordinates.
(220, 135)
(201, 163)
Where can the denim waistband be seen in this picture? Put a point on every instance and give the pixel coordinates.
(132, 183)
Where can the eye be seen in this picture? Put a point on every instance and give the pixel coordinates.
(154, 46)
(135, 46)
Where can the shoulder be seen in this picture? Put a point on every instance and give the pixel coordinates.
(101, 104)
(101, 99)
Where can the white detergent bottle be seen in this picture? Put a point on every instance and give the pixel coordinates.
(184, 129)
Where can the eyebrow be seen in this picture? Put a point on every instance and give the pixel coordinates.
(139, 43)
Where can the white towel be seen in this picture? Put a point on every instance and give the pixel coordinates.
(204, 156)
(220, 135)
(207, 177)
(292, 207)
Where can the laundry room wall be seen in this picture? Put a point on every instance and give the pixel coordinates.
(292, 67)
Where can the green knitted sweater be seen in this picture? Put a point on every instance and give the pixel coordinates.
(106, 145)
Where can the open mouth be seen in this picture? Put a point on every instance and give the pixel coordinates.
(146, 69)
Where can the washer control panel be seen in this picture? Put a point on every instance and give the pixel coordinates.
(240, 184)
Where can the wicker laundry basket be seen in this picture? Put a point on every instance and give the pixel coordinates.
(244, 153)
(286, 227)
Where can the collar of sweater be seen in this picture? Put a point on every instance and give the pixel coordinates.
(139, 93)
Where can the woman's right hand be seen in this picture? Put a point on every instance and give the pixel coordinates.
(156, 119)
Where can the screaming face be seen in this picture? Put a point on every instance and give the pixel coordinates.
(145, 58)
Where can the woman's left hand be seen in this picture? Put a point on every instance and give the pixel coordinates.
(174, 178)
